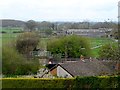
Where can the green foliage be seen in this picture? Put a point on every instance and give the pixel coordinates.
(26, 42)
(48, 32)
(17, 31)
(72, 46)
(98, 41)
(3, 32)
(35, 83)
(98, 82)
(14, 64)
(72, 83)
(109, 51)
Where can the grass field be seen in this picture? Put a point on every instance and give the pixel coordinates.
(11, 30)
(99, 42)
(10, 37)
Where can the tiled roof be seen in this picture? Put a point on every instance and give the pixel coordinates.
(87, 68)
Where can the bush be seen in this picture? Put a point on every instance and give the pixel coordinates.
(3, 32)
(15, 64)
(26, 42)
(109, 51)
(17, 31)
(70, 46)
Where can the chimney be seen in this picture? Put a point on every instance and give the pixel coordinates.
(82, 58)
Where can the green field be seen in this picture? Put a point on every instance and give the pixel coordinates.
(10, 37)
(99, 42)
(11, 30)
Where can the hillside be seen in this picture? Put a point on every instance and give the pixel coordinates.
(12, 23)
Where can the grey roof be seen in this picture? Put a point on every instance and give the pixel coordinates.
(87, 68)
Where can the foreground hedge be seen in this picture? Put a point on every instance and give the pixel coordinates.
(98, 82)
(79, 82)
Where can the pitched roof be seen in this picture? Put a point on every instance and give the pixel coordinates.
(87, 68)
(50, 66)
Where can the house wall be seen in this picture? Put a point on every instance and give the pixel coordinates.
(54, 71)
(117, 67)
(62, 73)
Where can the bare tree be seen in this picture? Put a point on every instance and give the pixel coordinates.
(31, 24)
(26, 42)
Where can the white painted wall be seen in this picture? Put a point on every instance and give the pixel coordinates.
(62, 73)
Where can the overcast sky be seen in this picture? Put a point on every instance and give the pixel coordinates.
(59, 10)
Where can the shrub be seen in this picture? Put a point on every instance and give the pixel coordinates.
(3, 32)
(109, 51)
(15, 64)
(26, 42)
(17, 31)
(71, 46)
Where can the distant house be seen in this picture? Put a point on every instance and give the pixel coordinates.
(86, 32)
(89, 32)
(80, 68)
(40, 53)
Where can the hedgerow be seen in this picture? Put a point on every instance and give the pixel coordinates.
(71, 83)
(35, 83)
(98, 82)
